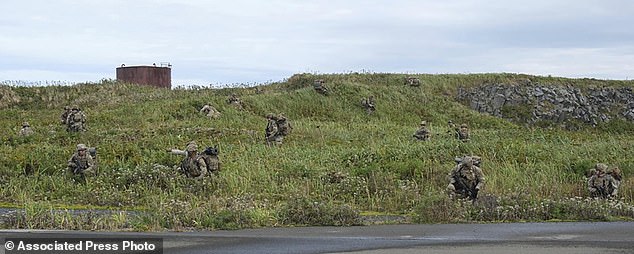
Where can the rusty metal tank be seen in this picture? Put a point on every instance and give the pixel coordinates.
(157, 76)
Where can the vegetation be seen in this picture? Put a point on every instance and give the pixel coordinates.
(338, 163)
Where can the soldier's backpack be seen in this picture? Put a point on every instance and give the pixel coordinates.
(283, 127)
(210, 156)
(76, 117)
(93, 153)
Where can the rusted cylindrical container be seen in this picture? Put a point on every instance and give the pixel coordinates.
(146, 75)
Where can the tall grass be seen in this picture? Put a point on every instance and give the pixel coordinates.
(338, 161)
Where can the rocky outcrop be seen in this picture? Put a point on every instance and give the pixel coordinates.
(563, 105)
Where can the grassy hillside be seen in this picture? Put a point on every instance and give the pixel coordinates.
(337, 163)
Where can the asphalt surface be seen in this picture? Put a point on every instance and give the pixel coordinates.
(560, 238)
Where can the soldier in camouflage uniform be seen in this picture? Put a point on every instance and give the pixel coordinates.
(422, 133)
(81, 163)
(602, 184)
(463, 133)
(76, 120)
(210, 111)
(193, 166)
(26, 130)
(210, 156)
(284, 127)
(615, 172)
(64, 116)
(368, 104)
(453, 130)
(320, 87)
(466, 179)
(234, 101)
(271, 132)
(412, 81)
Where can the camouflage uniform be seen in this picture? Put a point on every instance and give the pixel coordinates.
(412, 81)
(64, 117)
(235, 101)
(210, 156)
(422, 133)
(26, 130)
(463, 133)
(368, 104)
(210, 111)
(453, 130)
(602, 184)
(271, 132)
(76, 120)
(193, 166)
(81, 163)
(284, 127)
(319, 86)
(466, 179)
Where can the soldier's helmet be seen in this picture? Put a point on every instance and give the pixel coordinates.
(616, 173)
(601, 167)
(25, 124)
(81, 147)
(192, 147)
(66, 108)
(270, 116)
(75, 107)
(464, 125)
(467, 161)
(423, 123)
(616, 170)
(477, 160)
(450, 122)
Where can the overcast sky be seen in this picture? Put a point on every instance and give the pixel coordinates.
(246, 41)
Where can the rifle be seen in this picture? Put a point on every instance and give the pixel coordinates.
(602, 192)
(472, 193)
(78, 168)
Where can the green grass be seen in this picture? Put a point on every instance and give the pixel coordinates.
(338, 162)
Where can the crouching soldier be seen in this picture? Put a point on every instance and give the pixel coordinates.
(271, 132)
(320, 87)
(76, 120)
(466, 179)
(234, 101)
(210, 111)
(64, 116)
(26, 130)
(422, 133)
(368, 104)
(602, 183)
(412, 81)
(463, 133)
(81, 163)
(193, 166)
(210, 156)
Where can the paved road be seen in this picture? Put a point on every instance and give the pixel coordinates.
(560, 238)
